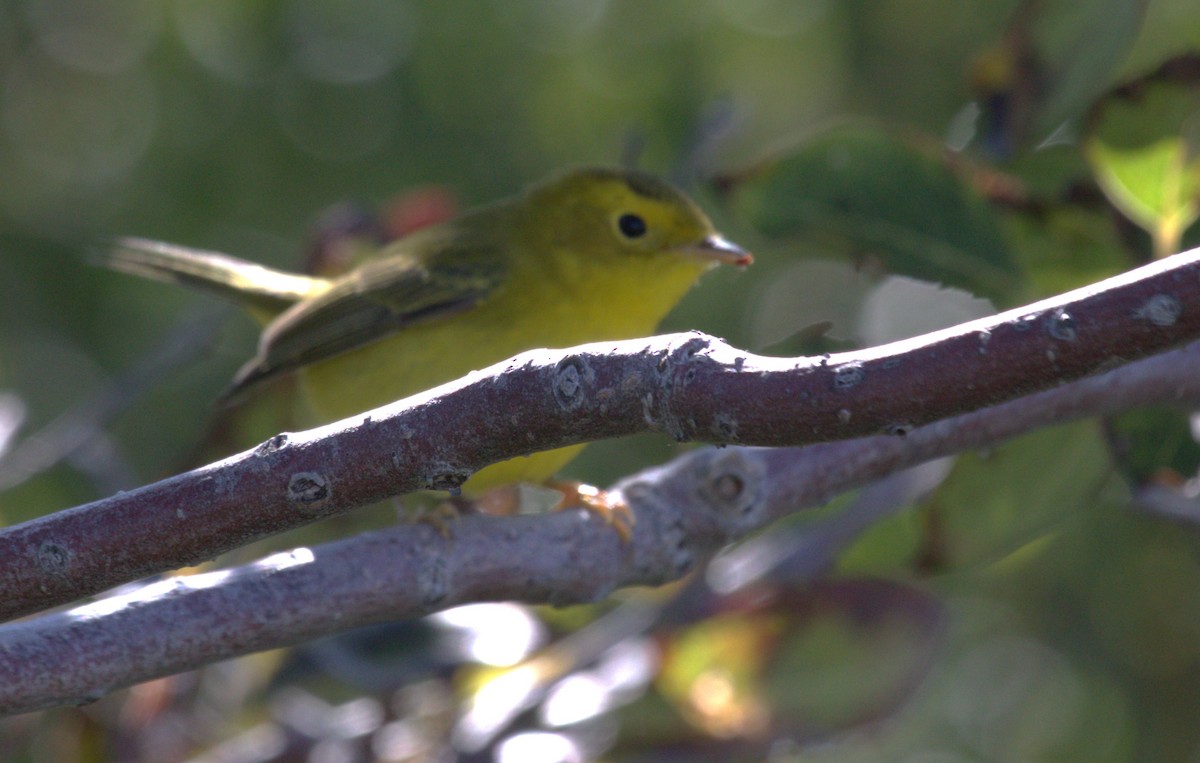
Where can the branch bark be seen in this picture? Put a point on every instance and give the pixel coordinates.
(689, 386)
(686, 510)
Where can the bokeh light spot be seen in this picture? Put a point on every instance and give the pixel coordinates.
(72, 126)
(352, 41)
(100, 36)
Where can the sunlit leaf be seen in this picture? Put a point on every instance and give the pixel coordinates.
(712, 672)
(1154, 185)
(827, 656)
(1142, 149)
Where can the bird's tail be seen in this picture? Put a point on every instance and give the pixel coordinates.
(261, 291)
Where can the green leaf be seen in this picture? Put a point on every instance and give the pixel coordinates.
(1053, 60)
(1142, 149)
(1082, 45)
(869, 195)
(1001, 501)
(1064, 246)
(851, 648)
(1154, 185)
(1152, 440)
(992, 504)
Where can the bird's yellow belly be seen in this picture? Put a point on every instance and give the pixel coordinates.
(387, 370)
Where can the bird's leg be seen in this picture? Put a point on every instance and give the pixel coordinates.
(615, 512)
(506, 500)
(441, 517)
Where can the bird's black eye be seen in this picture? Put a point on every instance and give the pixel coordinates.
(631, 225)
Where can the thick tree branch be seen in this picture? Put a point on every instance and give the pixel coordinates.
(689, 386)
(686, 510)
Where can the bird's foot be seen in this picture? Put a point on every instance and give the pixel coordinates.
(508, 500)
(442, 516)
(614, 511)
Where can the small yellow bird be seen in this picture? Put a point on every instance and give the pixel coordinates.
(587, 255)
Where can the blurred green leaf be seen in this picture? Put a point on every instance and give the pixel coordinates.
(991, 505)
(1142, 149)
(886, 548)
(711, 672)
(872, 196)
(1154, 440)
(827, 656)
(1168, 29)
(1000, 501)
(1154, 185)
(1054, 58)
(1066, 246)
(856, 648)
(1082, 45)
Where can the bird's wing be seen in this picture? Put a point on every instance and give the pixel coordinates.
(376, 299)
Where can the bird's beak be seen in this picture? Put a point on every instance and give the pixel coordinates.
(717, 249)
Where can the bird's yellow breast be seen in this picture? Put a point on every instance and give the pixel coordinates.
(578, 304)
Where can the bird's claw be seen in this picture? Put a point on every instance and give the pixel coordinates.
(614, 511)
(441, 517)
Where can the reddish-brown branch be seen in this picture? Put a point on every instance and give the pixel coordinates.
(689, 386)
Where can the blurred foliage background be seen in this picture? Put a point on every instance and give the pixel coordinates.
(895, 166)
